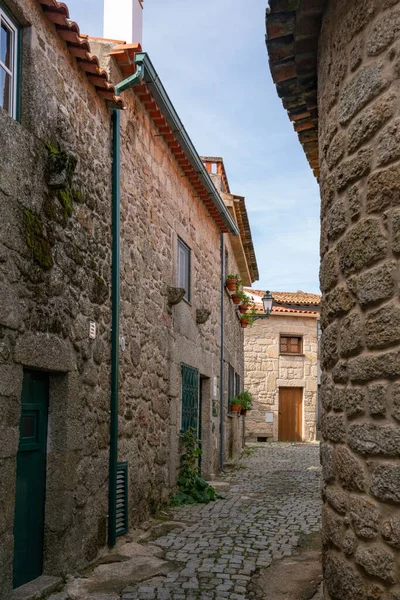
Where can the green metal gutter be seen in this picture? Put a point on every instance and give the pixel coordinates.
(147, 73)
(115, 286)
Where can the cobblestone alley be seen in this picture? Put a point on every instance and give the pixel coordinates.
(215, 549)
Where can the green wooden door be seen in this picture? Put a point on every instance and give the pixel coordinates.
(190, 398)
(31, 479)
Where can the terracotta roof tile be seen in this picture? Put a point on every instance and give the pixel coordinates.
(79, 47)
(299, 297)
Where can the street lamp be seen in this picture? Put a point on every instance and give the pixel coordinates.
(267, 303)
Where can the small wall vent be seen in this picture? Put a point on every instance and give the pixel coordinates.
(121, 526)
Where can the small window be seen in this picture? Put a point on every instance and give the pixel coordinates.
(184, 268)
(231, 384)
(8, 64)
(291, 344)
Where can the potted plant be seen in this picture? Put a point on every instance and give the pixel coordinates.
(246, 400)
(245, 320)
(245, 302)
(231, 282)
(236, 405)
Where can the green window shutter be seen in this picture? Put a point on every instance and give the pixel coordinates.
(121, 526)
(190, 398)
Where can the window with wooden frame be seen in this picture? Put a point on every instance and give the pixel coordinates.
(291, 344)
(8, 64)
(184, 268)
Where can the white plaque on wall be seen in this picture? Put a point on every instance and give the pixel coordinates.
(215, 387)
(269, 417)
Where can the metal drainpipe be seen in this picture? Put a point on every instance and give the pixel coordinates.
(222, 358)
(116, 170)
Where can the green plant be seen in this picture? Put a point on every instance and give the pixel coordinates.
(245, 300)
(232, 277)
(236, 401)
(239, 285)
(246, 400)
(192, 487)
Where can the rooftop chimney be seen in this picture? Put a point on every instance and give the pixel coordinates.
(123, 20)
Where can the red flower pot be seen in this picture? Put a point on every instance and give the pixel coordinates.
(236, 408)
(235, 298)
(243, 323)
(231, 284)
(243, 308)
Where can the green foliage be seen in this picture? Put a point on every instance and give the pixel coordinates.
(236, 401)
(245, 300)
(36, 239)
(65, 197)
(192, 487)
(246, 400)
(233, 277)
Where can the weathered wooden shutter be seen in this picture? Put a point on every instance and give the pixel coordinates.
(122, 499)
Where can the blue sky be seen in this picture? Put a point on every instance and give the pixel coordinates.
(212, 59)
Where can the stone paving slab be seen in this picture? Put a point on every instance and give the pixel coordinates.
(273, 499)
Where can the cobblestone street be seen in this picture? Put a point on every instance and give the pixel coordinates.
(273, 499)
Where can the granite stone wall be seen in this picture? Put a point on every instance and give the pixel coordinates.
(359, 68)
(266, 371)
(54, 279)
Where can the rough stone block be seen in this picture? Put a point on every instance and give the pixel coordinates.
(338, 499)
(349, 470)
(332, 527)
(336, 150)
(355, 202)
(336, 220)
(370, 121)
(385, 483)
(338, 398)
(382, 327)
(355, 402)
(339, 372)
(329, 271)
(377, 561)
(390, 531)
(364, 517)
(377, 283)
(11, 380)
(327, 457)
(351, 335)
(367, 368)
(349, 543)
(333, 428)
(383, 32)
(44, 351)
(396, 231)
(383, 189)
(360, 246)
(388, 143)
(343, 581)
(377, 399)
(335, 304)
(353, 169)
(329, 346)
(363, 87)
(370, 438)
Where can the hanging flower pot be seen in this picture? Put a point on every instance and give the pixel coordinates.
(243, 324)
(236, 298)
(231, 284)
(236, 408)
(243, 308)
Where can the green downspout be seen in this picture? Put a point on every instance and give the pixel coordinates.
(116, 219)
(115, 306)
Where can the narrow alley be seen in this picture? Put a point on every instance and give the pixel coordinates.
(271, 502)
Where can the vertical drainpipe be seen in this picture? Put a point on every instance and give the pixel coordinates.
(222, 358)
(116, 169)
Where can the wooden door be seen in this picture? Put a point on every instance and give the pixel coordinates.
(31, 479)
(290, 423)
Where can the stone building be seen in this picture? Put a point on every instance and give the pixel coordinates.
(281, 368)
(112, 267)
(336, 66)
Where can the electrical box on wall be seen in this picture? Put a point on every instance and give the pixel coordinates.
(215, 387)
(269, 417)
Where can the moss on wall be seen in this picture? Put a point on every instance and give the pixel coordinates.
(36, 238)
